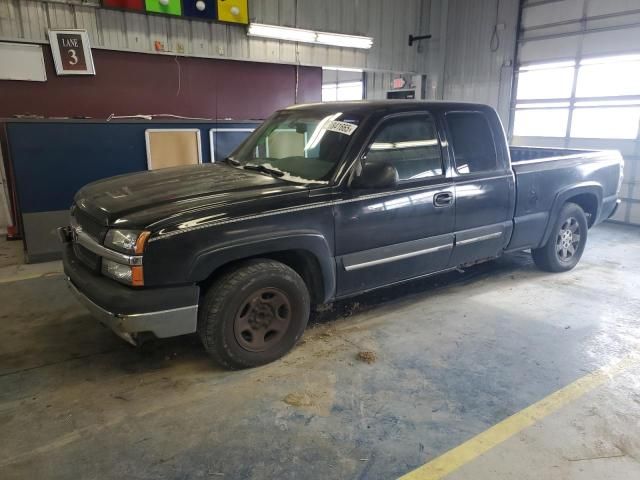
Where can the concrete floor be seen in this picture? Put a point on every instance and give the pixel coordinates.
(455, 354)
(11, 253)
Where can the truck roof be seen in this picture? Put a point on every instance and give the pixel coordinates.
(388, 106)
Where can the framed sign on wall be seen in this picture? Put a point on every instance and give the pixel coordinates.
(71, 52)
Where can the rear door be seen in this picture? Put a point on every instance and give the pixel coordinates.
(484, 186)
(393, 234)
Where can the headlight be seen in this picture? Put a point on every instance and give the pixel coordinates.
(126, 241)
(127, 274)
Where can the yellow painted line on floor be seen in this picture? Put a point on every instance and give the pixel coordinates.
(457, 457)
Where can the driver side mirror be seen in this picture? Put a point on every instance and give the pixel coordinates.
(376, 175)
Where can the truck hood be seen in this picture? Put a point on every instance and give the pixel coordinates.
(142, 199)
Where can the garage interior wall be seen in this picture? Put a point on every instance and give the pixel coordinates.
(471, 54)
(468, 58)
(177, 78)
(342, 84)
(162, 84)
(385, 21)
(583, 30)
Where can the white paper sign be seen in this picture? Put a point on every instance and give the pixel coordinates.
(341, 127)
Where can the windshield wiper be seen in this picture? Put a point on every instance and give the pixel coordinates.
(232, 161)
(263, 169)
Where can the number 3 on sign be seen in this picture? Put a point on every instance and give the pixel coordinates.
(74, 57)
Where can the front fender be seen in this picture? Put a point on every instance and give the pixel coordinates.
(209, 260)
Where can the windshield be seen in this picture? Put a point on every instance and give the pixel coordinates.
(298, 146)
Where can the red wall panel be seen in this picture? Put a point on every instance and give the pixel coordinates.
(137, 83)
(128, 4)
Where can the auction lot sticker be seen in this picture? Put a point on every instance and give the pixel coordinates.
(341, 127)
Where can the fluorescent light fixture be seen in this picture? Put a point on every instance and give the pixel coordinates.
(339, 40)
(281, 33)
(308, 36)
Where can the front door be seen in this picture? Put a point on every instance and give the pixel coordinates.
(389, 235)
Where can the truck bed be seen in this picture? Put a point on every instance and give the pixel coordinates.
(524, 154)
(543, 174)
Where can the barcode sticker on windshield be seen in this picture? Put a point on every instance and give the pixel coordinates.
(341, 127)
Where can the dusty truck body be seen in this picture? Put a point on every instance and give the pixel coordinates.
(322, 202)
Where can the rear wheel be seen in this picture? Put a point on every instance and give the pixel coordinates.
(566, 243)
(253, 314)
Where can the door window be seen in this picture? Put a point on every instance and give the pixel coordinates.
(410, 144)
(472, 142)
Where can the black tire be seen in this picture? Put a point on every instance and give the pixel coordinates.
(563, 250)
(273, 298)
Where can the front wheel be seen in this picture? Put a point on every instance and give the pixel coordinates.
(566, 243)
(253, 314)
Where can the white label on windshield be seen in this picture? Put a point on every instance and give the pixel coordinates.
(341, 127)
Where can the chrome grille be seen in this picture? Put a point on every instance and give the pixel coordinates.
(93, 228)
(90, 259)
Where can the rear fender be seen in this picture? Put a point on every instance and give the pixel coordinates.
(591, 188)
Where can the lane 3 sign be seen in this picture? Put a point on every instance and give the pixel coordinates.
(71, 52)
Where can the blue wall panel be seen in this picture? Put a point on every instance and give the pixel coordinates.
(53, 160)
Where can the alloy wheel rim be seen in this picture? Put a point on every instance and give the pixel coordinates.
(262, 319)
(568, 239)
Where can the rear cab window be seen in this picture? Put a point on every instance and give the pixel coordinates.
(471, 138)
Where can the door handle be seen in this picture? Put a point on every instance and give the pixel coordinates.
(443, 199)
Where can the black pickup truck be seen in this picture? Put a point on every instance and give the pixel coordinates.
(321, 202)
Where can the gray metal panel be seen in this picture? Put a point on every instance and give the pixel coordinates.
(85, 18)
(137, 31)
(474, 68)
(42, 242)
(60, 16)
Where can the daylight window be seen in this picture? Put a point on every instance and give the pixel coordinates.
(538, 122)
(610, 76)
(600, 97)
(343, 91)
(612, 122)
(552, 80)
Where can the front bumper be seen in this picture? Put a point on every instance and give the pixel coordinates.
(164, 312)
